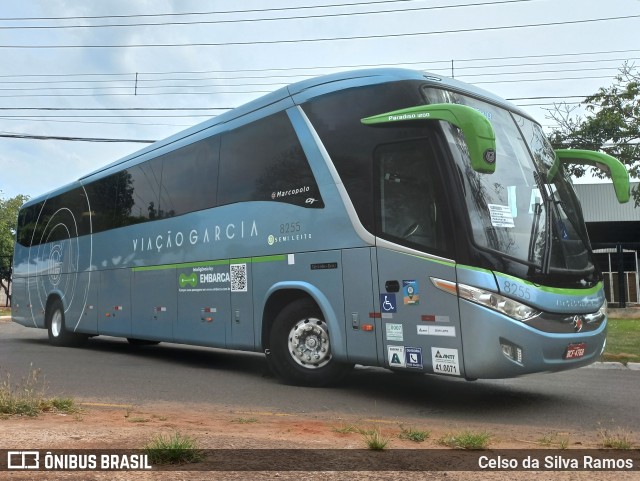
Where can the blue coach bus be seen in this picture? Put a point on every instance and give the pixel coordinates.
(381, 217)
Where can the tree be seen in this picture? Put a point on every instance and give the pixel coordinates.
(8, 216)
(611, 124)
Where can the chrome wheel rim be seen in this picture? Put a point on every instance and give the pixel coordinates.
(56, 323)
(309, 343)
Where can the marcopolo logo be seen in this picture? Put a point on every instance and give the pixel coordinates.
(287, 193)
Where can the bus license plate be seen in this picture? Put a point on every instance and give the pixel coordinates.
(574, 351)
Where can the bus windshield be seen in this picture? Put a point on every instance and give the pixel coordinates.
(515, 211)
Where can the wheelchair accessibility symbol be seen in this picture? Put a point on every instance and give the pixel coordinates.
(388, 302)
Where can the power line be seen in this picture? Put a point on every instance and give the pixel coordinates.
(325, 67)
(552, 97)
(225, 92)
(112, 90)
(268, 19)
(131, 83)
(547, 103)
(54, 120)
(138, 95)
(540, 80)
(72, 139)
(116, 108)
(111, 117)
(255, 10)
(321, 39)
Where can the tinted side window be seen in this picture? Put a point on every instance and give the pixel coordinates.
(58, 218)
(176, 183)
(350, 144)
(111, 201)
(145, 184)
(189, 178)
(27, 224)
(411, 203)
(263, 160)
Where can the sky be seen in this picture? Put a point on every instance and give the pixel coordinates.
(64, 73)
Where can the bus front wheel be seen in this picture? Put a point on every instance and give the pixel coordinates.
(58, 333)
(300, 349)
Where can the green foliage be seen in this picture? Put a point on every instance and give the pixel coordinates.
(618, 440)
(173, 449)
(27, 397)
(611, 124)
(623, 341)
(466, 440)
(414, 435)
(375, 440)
(244, 420)
(8, 218)
(346, 429)
(554, 440)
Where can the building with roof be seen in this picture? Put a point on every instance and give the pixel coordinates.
(614, 230)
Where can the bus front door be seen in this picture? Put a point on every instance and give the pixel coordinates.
(420, 322)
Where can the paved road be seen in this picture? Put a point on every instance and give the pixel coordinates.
(110, 370)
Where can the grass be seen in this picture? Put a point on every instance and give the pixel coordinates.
(139, 420)
(173, 449)
(5, 311)
(466, 440)
(623, 341)
(554, 441)
(27, 397)
(415, 435)
(375, 440)
(245, 420)
(347, 429)
(617, 440)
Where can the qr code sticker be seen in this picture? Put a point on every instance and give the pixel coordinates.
(238, 276)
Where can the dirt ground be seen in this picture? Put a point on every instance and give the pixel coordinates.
(104, 426)
(111, 426)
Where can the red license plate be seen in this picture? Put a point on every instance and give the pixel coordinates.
(574, 351)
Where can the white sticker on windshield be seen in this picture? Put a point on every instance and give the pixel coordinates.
(501, 215)
(536, 199)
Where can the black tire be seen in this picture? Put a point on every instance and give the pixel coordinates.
(306, 359)
(56, 326)
(141, 342)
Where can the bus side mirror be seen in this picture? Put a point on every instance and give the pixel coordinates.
(604, 162)
(477, 130)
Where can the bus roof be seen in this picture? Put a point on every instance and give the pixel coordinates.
(298, 93)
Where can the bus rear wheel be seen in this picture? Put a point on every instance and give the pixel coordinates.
(300, 348)
(56, 326)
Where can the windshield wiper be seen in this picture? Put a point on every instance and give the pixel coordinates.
(536, 234)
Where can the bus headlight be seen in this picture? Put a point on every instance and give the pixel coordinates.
(497, 302)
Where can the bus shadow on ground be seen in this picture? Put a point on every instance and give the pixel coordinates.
(370, 390)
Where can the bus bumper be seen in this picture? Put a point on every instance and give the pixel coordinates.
(496, 346)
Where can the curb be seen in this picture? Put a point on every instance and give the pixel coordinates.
(609, 365)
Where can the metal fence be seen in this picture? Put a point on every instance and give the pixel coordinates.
(620, 267)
